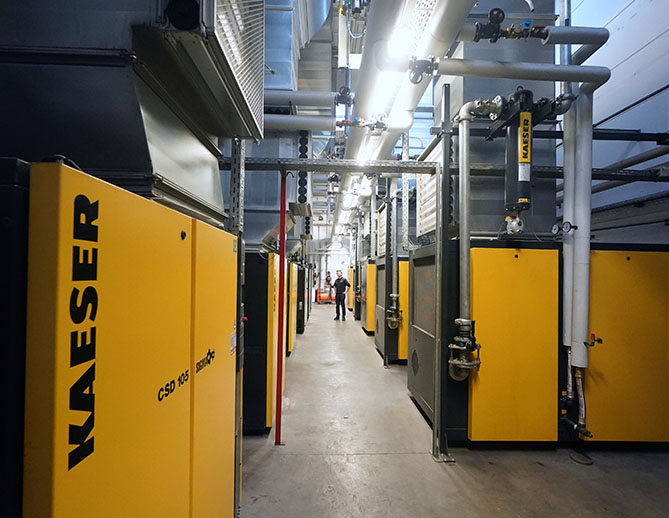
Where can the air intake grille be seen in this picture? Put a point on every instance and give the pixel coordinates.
(240, 27)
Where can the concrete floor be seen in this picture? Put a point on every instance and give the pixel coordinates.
(356, 446)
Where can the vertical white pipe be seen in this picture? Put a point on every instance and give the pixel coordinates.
(569, 167)
(463, 159)
(582, 217)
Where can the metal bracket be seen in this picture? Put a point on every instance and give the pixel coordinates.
(237, 181)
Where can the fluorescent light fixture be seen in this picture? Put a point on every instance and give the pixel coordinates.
(339, 229)
(344, 216)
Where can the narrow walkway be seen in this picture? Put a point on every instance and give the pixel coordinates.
(356, 446)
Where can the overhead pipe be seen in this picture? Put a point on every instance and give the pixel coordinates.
(445, 22)
(561, 35)
(299, 122)
(591, 39)
(300, 98)
(591, 77)
(382, 19)
(442, 29)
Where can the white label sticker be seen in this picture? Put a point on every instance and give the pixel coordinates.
(524, 171)
(233, 343)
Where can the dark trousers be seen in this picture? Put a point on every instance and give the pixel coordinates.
(340, 299)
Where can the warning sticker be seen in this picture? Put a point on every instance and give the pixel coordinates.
(233, 343)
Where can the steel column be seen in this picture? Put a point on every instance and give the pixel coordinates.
(442, 194)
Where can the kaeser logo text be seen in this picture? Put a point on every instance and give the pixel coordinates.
(83, 336)
(525, 147)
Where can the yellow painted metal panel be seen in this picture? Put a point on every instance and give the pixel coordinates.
(515, 305)
(627, 382)
(292, 330)
(403, 337)
(213, 374)
(370, 318)
(351, 291)
(272, 335)
(107, 426)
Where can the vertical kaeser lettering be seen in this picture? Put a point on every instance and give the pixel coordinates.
(83, 337)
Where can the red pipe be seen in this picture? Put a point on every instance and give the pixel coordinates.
(282, 302)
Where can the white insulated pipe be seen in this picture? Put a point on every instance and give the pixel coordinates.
(383, 17)
(591, 77)
(569, 169)
(299, 122)
(591, 39)
(582, 219)
(300, 98)
(445, 23)
(559, 35)
(569, 172)
(464, 244)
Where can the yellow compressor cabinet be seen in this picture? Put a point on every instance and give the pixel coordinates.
(514, 300)
(351, 290)
(627, 381)
(116, 410)
(272, 336)
(368, 322)
(214, 346)
(291, 330)
(403, 331)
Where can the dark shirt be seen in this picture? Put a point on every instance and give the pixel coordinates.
(340, 285)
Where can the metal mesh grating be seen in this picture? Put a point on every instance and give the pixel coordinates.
(240, 27)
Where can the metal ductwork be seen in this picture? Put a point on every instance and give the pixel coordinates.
(137, 95)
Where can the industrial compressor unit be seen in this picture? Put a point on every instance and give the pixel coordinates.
(368, 295)
(392, 287)
(291, 307)
(261, 299)
(129, 327)
(518, 394)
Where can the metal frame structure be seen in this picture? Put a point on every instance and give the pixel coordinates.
(237, 175)
(392, 168)
(238, 164)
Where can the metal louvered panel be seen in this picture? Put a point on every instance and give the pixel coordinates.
(382, 232)
(240, 28)
(426, 203)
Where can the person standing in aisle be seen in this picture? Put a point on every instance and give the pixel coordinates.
(341, 287)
